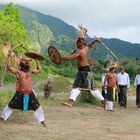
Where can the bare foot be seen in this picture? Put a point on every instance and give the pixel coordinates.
(104, 105)
(66, 104)
(43, 123)
(1, 119)
(110, 110)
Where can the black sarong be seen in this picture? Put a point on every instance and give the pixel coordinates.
(138, 95)
(104, 94)
(122, 95)
(110, 93)
(17, 101)
(84, 78)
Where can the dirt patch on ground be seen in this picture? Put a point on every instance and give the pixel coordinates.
(82, 122)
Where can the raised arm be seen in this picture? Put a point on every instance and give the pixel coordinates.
(94, 41)
(71, 57)
(38, 67)
(9, 66)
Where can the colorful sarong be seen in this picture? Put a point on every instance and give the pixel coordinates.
(24, 100)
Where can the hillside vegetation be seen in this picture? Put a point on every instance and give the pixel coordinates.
(37, 31)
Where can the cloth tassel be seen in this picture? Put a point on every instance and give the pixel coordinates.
(25, 102)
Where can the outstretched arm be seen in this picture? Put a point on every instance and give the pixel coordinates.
(94, 41)
(38, 67)
(71, 57)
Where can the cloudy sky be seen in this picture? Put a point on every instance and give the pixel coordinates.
(103, 18)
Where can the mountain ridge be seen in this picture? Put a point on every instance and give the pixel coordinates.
(59, 28)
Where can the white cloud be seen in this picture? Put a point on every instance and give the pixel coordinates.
(106, 18)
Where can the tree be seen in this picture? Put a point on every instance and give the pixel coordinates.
(12, 29)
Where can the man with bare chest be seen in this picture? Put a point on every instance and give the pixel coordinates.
(84, 79)
(110, 83)
(24, 98)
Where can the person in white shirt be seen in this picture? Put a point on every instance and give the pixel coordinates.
(137, 85)
(124, 84)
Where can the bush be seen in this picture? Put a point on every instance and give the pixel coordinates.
(86, 97)
(61, 84)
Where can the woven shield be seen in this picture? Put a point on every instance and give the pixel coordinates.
(34, 56)
(54, 55)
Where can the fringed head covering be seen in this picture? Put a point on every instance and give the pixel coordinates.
(112, 66)
(24, 64)
(82, 33)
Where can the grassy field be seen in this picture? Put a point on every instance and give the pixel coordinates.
(81, 122)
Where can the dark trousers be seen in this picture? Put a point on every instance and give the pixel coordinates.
(103, 93)
(110, 94)
(138, 95)
(122, 95)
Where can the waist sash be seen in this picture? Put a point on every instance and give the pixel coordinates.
(26, 93)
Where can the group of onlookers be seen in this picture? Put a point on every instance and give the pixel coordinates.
(115, 86)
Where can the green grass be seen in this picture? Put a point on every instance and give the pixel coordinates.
(86, 97)
(61, 84)
(42, 75)
(5, 97)
(9, 78)
(50, 101)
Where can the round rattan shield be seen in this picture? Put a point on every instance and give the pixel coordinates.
(34, 56)
(54, 55)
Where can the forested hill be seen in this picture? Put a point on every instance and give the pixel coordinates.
(59, 27)
(46, 30)
(56, 25)
(123, 47)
